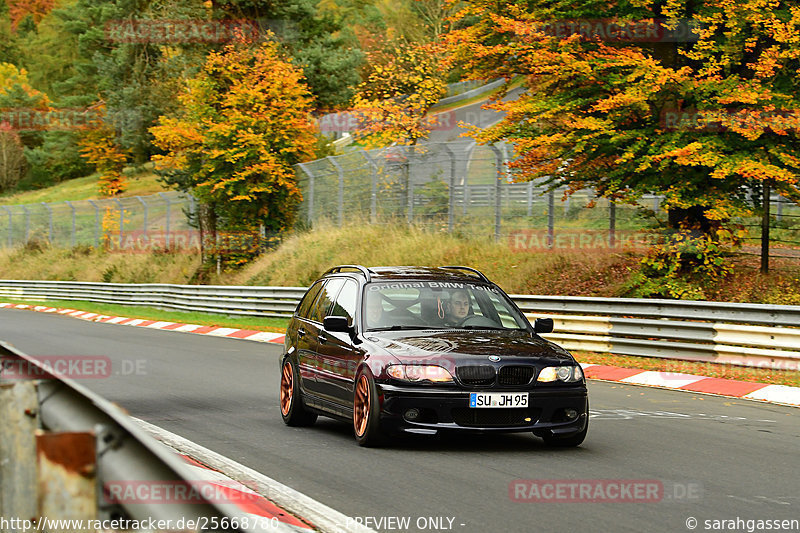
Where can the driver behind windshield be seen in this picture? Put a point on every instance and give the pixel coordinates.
(459, 307)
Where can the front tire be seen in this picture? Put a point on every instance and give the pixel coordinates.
(293, 411)
(366, 420)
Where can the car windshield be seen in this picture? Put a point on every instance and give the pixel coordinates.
(438, 304)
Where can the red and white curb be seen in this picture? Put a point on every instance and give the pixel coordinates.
(216, 331)
(780, 394)
(263, 496)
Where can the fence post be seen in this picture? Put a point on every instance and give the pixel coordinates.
(96, 223)
(779, 210)
(340, 209)
(373, 195)
(27, 222)
(9, 238)
(49, 222)
(612, 223)
(765, 227)
(409, 185)
(166, 201)
(551, 218)
(19, 407)
(72, 235)
(500, 162)
(310, 198)
(451, 200)
(121, 220)
(144, 224)
(530, 198)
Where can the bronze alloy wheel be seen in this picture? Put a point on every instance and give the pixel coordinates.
(287, 387)
(361, 406)
(293, 411)
(366, 412)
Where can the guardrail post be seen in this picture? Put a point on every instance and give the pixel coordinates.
(10, 241)
(67, 476)
(72, 234)
(19, 407)
(96, 223)
(373, 195)
(310, 198)
(779, 208)
(166, 228)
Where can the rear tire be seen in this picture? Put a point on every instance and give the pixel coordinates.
(293, 411)
(366, 420)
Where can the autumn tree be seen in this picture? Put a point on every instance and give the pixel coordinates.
(695, 101)
(404, 81)
(242, 123)
(101, 148)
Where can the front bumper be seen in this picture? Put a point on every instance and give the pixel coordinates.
(443, 409)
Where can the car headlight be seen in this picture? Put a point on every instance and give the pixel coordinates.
(417, 373)
(567, 374)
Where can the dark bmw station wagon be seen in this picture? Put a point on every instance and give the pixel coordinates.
(426, 350)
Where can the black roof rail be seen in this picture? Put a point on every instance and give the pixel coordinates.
(340, 268)
(468, 269)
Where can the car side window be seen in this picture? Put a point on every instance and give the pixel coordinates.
(345, 304)
(326, 299)
(304, 307)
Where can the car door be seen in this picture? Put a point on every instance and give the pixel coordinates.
(338, 359)
(306, 333)
(313, 327)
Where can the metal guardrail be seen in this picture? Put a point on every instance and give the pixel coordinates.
(124, 453)
(737, 333)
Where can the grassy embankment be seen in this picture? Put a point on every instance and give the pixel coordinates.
(302, 257)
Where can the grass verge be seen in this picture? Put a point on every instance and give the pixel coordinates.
(278, 325)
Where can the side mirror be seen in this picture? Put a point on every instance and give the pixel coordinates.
(336, 324)
(543, 325)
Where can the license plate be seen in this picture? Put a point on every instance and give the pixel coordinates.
(498, 399)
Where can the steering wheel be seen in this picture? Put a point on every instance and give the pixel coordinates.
(476, 320)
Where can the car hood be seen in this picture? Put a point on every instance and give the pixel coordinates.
(468, 345)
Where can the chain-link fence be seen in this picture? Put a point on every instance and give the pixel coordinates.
(159, 221)
(457, 187)
(465, 188)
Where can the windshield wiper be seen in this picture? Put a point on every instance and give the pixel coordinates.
(397, 327)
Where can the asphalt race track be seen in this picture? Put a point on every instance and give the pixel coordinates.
(715, 458)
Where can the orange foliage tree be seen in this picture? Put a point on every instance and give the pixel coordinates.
(693, 100)
(244, 120)
(403, 83)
